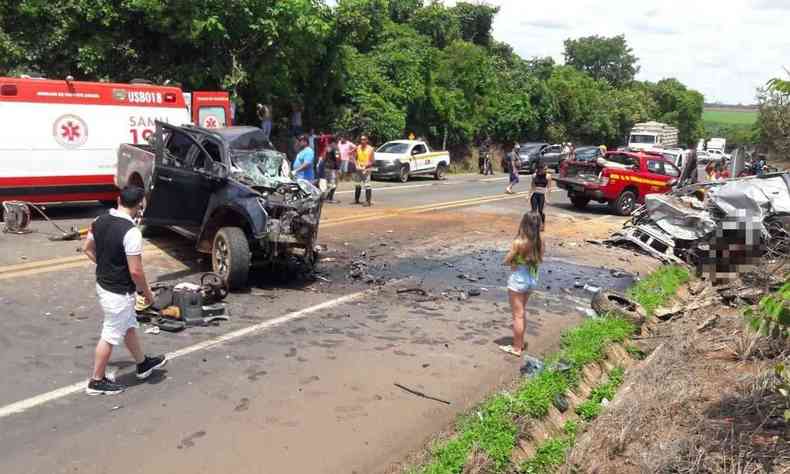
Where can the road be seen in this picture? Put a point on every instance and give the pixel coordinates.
(301, 379)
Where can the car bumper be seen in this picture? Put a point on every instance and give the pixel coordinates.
(589, 190)
(386, 170)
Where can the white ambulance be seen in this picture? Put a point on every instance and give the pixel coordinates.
(59, 138)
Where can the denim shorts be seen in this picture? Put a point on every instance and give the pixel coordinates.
(522, 280)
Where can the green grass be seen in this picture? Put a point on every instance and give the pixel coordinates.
(730, 117)
(492, 427)
(659, 287)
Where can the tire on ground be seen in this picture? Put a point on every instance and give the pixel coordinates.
(237, 254)
(614, 303)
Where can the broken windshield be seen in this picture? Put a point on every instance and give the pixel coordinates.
(261, 167)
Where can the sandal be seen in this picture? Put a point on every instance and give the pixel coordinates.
(509, 350)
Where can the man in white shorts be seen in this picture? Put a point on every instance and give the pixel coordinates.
(115, 245)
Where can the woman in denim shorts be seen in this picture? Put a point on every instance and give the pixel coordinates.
(524, 258)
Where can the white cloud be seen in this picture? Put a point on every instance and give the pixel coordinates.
(723, 49)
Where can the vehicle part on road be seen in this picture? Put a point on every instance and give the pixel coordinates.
(17, 218)
(625, 204)
(614, 303)
(422, 395)
(213, 288)
(419, 291)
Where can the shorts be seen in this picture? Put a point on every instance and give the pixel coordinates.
(362, 178)
(522, 281)
(513, 177)
(119, 315)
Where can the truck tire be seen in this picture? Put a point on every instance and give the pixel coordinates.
(403, 176)
(610, 302)
(579, 202)
(625, 204)
(441, 171)
(231, 257)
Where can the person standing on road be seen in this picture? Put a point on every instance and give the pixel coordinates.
(330, 163)
(513, 166)
(365, 157)
(115, 245)
(346, 149)
(524, 259)
(540, 192)
(265, 116)
(305, 160)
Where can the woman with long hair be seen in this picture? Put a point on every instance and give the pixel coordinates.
(524, 259)
(541, 190)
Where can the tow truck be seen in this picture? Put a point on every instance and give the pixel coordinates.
(621, 179)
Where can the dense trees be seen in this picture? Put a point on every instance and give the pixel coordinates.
(773, 120)
(387, 67)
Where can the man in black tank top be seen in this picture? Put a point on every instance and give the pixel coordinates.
(115, 245)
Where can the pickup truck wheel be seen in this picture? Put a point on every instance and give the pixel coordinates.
(403, 177)
(441, 171)
(579, 202)
(625, 204)
(230, 257)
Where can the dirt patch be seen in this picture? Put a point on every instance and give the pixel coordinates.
(702, 401)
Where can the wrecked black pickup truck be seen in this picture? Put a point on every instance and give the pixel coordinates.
(228, 190)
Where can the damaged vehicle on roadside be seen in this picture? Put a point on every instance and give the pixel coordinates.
(229, 191)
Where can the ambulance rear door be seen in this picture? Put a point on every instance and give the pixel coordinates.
(211, 109)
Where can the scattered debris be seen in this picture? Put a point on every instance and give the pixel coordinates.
(419, 291)
(469, 278)
(532, 366)
(152, 330)
(473, 292)
(420, 394)
(612, 302)
(592, 289)
(708, 323)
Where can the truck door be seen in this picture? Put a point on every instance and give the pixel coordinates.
(656, 178)
(420, 160)
(180, 191)
(211, 109)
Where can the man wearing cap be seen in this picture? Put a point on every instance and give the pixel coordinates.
(115, 245)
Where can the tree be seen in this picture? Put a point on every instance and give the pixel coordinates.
(402, 11)
(476, 21)
(773, 119)
(681, 107)
(609, 59)
(438, 23)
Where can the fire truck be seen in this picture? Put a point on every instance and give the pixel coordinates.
(59, 138)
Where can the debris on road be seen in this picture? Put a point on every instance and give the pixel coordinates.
(420, 394)
(614, 303)
(744, 218)
(152, 330)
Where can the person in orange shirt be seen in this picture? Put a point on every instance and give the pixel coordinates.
(364, 158)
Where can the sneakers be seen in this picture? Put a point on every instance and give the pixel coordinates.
(146, 367)
(103, 387)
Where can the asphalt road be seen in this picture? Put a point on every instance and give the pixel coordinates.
(301, 379)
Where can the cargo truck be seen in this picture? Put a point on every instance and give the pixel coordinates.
(648, 135)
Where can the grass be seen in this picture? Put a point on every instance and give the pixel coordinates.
(730, 117)
(659, 287)
(492, 428)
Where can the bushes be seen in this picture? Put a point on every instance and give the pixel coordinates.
(659, 287)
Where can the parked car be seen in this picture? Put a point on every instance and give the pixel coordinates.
(621, 179)
(551, 156)
(588, 153)
(227, 190)
(401, 159)
(528, 153)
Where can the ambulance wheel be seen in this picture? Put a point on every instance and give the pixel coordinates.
(231, 257)
(625, 204)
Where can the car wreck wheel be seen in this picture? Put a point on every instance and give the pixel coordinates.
(230, 257)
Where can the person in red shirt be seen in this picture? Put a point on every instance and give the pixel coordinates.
(324, 139)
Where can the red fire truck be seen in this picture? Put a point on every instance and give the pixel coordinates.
(59, 138)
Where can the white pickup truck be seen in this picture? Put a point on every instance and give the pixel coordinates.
(401, 159)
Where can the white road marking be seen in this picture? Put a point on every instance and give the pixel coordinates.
(411, 186)
(38, 400)
(488, 180)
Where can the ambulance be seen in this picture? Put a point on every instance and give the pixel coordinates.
(59, 138)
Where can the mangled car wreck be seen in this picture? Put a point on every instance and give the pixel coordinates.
(722, 228)
(229, 191)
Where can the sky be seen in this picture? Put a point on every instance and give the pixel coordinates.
(722, 48)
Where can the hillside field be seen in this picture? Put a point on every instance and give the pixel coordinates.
(729, 117)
